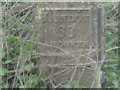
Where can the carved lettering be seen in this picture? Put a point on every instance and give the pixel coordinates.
(67, 29)
(67, 44)
(65, 18)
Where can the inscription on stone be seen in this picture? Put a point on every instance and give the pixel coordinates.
(67, 37)
(68, 29)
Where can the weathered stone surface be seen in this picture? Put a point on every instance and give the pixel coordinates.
(68, 46)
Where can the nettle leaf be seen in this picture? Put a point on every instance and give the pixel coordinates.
(7, 61)
(21, 86)
(33, 80)
(2, 71)
(67, 86)
(74, 84)
(115, 82)
(28, 67)
(112, 74)
(4, 86)
(4, 55)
